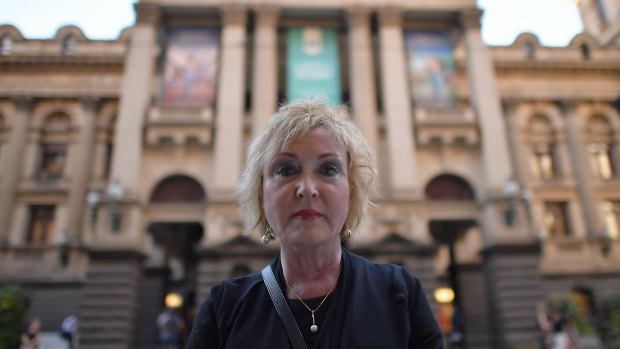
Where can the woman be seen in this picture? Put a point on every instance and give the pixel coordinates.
(31, 338)
(306, 183)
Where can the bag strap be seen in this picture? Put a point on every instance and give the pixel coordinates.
(282, 308)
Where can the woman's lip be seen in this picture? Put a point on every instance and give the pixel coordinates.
(307, 214)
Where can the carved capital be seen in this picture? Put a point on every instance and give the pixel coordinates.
(147, 13)
(266, 15)
(234, 14)
(390, 16)
(470, 18)
(568, 106)
(90, 103)
(24, 103)
(358, 16)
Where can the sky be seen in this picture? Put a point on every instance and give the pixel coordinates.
(554, 22)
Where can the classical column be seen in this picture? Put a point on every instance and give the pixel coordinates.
(13, 160)
(581, 169)
(363, 91)
(82, 166)
(396, 105)
(265, 66)
(135, 98)
(519, 158)
(496, 164)
(230, 101)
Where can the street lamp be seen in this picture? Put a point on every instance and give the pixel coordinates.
(93, 199)
(114, 194)
(511, 191)
(63, 248)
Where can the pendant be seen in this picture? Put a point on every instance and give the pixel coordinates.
(314, 328)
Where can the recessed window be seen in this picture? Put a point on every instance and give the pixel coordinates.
(585, 52)
(611, 214)
(541, 161)
(68, 45)
(600, 160)
(555, 219)
(41, 224)
(52, 161)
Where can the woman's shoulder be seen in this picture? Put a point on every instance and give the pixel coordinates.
(374, 270)
(238, 285)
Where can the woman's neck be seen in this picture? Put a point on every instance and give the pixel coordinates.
(310, 272)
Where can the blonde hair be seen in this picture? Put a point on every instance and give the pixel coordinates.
(289, 122)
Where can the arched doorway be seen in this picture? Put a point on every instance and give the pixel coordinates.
(454, 200)
(175, 214)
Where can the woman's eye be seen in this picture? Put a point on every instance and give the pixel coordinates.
(330, 169)
(284, 170)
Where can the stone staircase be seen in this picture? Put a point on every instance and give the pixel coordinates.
(110, 303)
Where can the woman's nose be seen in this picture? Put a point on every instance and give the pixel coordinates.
(306, 187)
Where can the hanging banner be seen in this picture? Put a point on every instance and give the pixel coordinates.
(432, 69)
(312, 64)
(190, 71)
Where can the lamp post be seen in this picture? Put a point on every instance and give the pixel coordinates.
(114, 194)
(63, 248)
(511, 191)
(93, 199)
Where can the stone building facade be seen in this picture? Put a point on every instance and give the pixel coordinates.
(499, 166)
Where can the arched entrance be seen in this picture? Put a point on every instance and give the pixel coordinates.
(175, 214)
(452, 221)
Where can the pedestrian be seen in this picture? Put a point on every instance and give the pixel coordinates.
(32, 335)
(69, 330)
(170, 326)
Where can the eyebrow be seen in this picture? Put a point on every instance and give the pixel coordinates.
(292, 155)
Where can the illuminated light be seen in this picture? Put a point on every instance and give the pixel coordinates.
(444, 295)
(173, 300)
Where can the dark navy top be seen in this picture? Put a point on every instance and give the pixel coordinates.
(373, 306)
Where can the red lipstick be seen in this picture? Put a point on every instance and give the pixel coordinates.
(307, 214)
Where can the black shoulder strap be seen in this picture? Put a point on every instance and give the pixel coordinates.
(282, 308)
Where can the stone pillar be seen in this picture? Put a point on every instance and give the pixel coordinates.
(265, 66)
(496, 164)
(135, 98)
(13, 159)
(363, 91)
(134, 101)
(396, 105)
(519, 159)
(230, 102)
(82, 166)
(582, 170)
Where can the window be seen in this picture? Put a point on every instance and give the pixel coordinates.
(6, 45)
(68, 45)
(600, 160)
(41, 224)
(611, 214)
(52, 161)
(585, 52)
(528, 49)
(541, 162)
(555, 219)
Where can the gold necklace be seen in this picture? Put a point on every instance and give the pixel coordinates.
(314, 328)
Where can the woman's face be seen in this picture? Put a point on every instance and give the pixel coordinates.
(306, 190)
